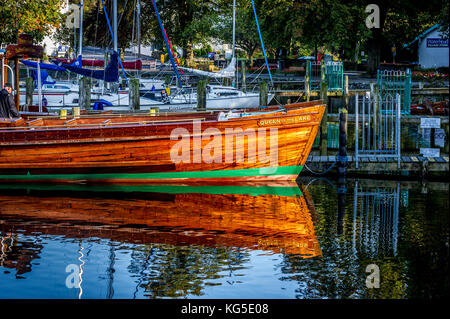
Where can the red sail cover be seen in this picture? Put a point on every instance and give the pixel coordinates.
(131, 65)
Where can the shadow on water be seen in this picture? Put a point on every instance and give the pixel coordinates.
(278, 240)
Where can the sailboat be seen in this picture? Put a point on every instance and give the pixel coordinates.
(60, 95)
(219, 96)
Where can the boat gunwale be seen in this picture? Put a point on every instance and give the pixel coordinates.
(96, 126)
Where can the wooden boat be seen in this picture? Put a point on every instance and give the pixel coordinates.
(112, 148)
(277, 218)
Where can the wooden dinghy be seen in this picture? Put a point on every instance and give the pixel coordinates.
(271, 144)
(275, 219)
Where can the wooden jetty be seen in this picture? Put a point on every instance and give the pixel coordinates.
(410, 166)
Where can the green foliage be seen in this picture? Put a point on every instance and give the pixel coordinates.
(35, 17)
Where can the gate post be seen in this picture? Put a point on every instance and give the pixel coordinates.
(323, 124)
(343, 114)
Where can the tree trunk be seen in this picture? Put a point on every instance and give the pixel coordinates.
(189, 55)
(374, 52)
(375, 43)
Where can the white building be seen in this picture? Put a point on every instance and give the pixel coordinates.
(50, 47)
(432, 49)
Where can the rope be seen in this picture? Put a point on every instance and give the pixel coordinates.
(167, 44)
(262, 43)
(321, 173)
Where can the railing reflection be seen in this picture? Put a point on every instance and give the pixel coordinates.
(375, 219)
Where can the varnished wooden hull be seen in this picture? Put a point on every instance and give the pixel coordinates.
(270, 218)
(138, 149)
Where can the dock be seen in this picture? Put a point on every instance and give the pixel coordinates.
(410, 166)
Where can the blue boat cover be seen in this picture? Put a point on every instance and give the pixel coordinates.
(48, 66)
(44, 76)
(109, 74)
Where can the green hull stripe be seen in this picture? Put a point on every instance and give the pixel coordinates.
(264, 171)
(167, 189)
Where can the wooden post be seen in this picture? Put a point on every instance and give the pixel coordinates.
(308, 81)
(243, 76)
(167, 78)
(2, 81)
(106, 85)
(29, 91)
(76, 112)
(343, 116)
(323, 124)
(63, 114)
(153, 111)
(84, 100)
(16, 82)
(201, 95)
(133, 94)
(226, 81)
(263, 94)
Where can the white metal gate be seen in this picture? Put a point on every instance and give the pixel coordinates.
(377, 127)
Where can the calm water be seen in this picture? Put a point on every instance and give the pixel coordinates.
(270, 241)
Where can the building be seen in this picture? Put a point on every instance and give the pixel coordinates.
(432, 49)
(57, 49)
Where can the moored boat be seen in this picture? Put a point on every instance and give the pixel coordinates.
(271, 144)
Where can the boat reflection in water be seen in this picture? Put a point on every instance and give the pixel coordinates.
(274, 218)
(225, 220)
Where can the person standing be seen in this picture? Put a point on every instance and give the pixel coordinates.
(7, 104)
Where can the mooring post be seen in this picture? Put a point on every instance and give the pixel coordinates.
(29, 91)
(153, 111)
(201, 95)
(263, 94)
(84, 100)
(226, 81)
(76, 112)
(323, 124)
(341, 204)
(62, 114)
(308, 81)
(343, 118)
(243, 77)
(133, 94)
(167, 78)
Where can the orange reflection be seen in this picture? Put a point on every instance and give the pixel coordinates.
(275, 219)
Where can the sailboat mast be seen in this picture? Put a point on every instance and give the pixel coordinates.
(80, 49)
(234, 41)
(234, 28)
(115, 24)
(139, 27)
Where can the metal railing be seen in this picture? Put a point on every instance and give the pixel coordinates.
(392, 82)
(377, 126)
(376, 219)
(334, 75)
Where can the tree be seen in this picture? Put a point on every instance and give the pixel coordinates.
(36, 17)
(246, 37)
(187, 22)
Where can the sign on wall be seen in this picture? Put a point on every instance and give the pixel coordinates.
(437, 43)
(430, 122)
